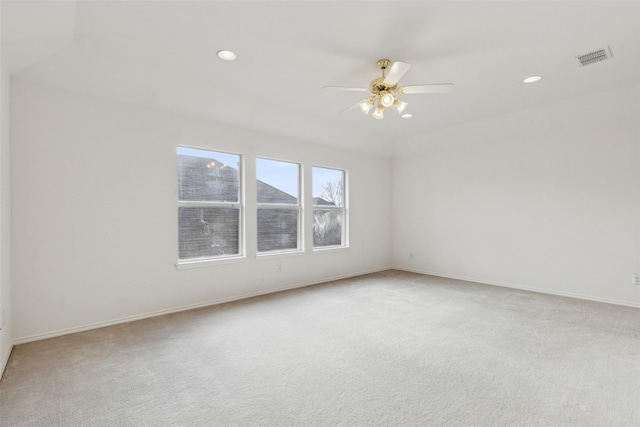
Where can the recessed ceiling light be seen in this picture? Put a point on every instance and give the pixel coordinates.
(227, 55)
(532, 79)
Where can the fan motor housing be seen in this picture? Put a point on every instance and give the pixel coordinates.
(378, 85)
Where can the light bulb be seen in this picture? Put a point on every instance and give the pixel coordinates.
(366, 105)
(406, 115)
(379, 113)
(387, 99)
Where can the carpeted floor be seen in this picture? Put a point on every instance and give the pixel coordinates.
(387, 349)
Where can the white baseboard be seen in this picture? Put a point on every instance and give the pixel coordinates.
(523, 288)
(97, 325)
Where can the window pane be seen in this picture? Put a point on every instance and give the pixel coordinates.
(208, 175)
(206, 232)
(328, 187)
(277, 182)
(327, 227)
(329, 212)
(277, 229)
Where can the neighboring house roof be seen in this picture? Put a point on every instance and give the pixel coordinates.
(198, 182)
(270, 194)
(319, 201)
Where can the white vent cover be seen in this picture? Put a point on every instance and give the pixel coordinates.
(595, 56)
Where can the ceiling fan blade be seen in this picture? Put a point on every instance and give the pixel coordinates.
(439, 88)
(353, 107)
(352, 89)
(397, 70)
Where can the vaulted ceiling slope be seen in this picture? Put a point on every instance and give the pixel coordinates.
(163, 55)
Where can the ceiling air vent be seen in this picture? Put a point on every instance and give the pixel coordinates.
(595, 56)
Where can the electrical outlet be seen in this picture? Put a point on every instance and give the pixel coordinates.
(635, 280)
(279, 268)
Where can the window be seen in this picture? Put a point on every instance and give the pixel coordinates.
(329, 212)
(278, 197)
(209, 204)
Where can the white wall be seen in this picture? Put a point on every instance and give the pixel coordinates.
(6, 341)
(546, 199)
(95, 217)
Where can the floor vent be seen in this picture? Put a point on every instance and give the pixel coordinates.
(595, 56)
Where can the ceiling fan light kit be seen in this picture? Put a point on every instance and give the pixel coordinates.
(387, 99)
(366, 105)
(384, 88)
(379, 113)
(400, 106)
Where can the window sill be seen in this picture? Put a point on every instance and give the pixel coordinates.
(330, 249)
(280, 254)
(185, 265)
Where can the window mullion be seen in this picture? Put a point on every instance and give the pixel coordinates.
(209, 203)
(276, 206)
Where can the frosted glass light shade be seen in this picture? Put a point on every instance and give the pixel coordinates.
(379, 113)
(387, 100)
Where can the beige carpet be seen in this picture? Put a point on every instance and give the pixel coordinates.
(387, 349)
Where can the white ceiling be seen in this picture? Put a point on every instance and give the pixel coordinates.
(163, 55)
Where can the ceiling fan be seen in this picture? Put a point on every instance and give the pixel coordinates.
(385, 88)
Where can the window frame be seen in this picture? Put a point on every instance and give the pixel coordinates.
(297, 207)
(344, 237)
(240, 205)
